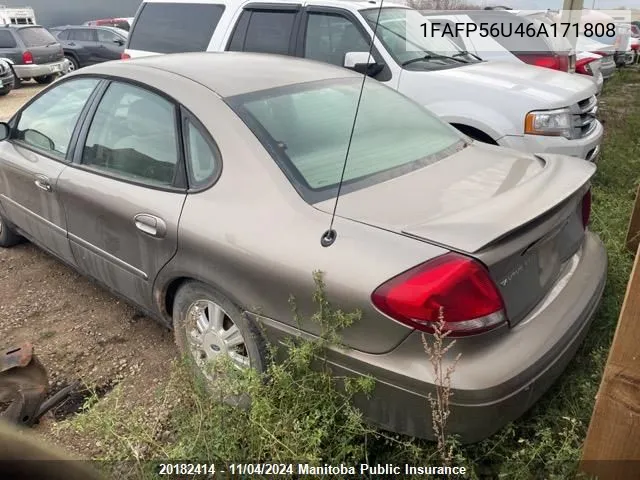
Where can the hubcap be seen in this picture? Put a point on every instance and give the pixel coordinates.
(72, 66)
(212, 333)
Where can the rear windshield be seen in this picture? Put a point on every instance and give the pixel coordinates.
(306, 128)
(36, 37)
(174, 27)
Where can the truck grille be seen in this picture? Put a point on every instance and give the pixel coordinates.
(584, 117)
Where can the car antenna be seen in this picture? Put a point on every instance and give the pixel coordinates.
(329, 236)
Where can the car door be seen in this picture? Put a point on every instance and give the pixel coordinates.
(111, 45)
(124, 193)
(87, 40)
(37, 152)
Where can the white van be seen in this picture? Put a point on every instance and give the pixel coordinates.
(524, 107)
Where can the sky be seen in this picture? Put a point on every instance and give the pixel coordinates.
(62, 12)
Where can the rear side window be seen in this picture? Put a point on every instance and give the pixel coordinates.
(36, 37)
(175, 27)
(268, 31)
(82, 35)
(7, 40)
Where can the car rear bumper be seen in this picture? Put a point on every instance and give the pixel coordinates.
(41, 70)
(499, 376)
(586, 148)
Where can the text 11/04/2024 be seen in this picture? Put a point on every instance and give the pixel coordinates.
(435, 28)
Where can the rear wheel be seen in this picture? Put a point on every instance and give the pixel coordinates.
(45, 80)
(4, 91)
(208, 326)
(8, 236)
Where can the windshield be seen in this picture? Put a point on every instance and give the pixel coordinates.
(306, 129)
(400, 31)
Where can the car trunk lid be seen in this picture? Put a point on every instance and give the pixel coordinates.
(517, 213)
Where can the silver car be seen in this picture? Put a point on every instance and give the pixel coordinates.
(198, 187)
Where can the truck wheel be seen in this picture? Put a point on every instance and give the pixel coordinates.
(45, 80)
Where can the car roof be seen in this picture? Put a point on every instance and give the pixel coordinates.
(235, 73)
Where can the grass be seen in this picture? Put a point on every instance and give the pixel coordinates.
(305, 415)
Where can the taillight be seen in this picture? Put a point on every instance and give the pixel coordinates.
(459, 286)
(125, 56)
(555, 62)
(583, 67)
(27, 58)
(635, 46)
(586, 208)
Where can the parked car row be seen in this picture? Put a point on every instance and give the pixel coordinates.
(463, 184)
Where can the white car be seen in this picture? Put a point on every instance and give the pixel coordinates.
(513, 105)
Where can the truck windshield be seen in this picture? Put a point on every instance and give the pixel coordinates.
(306, 129)
(400, 31)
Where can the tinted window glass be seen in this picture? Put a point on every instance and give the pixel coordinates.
(61, 34)
(133, 136)
(269, 32)
(36, 37)
(48, 123)
(202, 157)
(175, 27)
(106, 36)
(82, 35)
(330, 37)
(307, 128)
(7, 40)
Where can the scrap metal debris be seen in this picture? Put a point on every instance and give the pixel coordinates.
(24, 385)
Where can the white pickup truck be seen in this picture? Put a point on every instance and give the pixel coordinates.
(524, 107)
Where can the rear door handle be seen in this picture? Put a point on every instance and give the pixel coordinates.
(43, 183)
(150, 225)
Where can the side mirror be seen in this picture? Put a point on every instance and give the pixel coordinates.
(363, 63)
(37, 139)
(5, 131)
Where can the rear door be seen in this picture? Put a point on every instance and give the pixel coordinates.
(33, 159)
(43, 46)
(124, 194)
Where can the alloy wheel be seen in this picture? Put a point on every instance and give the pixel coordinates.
(211, 333)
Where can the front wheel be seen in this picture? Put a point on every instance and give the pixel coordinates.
(208, 326)
(45, 80)
(73, 63)
(8, 236)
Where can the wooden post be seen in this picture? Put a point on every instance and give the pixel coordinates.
(633, 233)
(612, 448)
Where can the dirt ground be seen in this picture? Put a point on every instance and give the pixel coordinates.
(79, 331)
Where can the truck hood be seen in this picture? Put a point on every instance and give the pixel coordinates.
(468, 200)
(542, 87)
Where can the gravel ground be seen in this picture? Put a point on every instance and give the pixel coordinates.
(79, 331)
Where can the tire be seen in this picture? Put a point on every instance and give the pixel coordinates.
(73, 63)
(4, 91)
(252, 352)
(8, 236)
(46, 79)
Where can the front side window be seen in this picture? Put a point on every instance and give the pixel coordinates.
(105, 36)
(133, 136)
(48, 123)
(329, 37)
(306, 128)
(165, 27)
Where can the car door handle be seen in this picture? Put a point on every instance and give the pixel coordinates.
(43, 183)
(151, 225)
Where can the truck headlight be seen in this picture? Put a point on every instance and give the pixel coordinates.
(555, 123)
